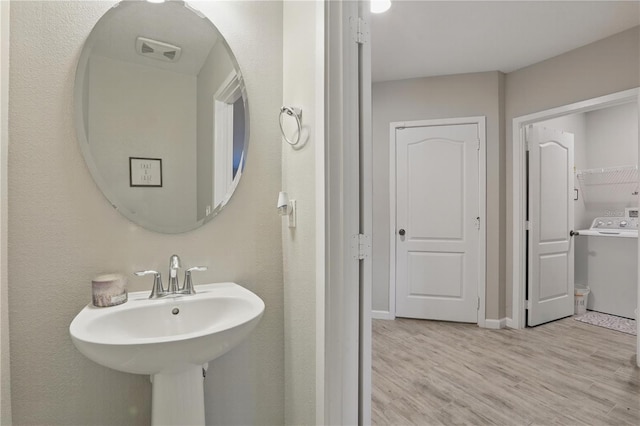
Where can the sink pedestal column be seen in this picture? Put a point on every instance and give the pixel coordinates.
(177, 398)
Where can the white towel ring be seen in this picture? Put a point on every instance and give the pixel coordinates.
(295, 113)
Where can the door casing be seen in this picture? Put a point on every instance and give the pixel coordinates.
(519, 193)
(480, 121)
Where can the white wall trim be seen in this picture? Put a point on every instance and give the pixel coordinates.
(392, 216)
(495, 324)
(482, 199)
(230, 90)
(320, 144)
(366, 221)
(509, 323)
(383, 315)
(222, 153)
(519, 181)
(482, 209)
(342, 182)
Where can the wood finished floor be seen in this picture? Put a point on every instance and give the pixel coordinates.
(561, 373)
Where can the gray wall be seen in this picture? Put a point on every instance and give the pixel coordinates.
(5, 371)
(303, 65)
(479, 94)
(606, 66)
(122, 97)
(62, 231)
(613, 136)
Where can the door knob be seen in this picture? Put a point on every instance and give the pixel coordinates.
(572, 233)
(401, 232)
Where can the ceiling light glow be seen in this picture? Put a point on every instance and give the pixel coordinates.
(379, 6)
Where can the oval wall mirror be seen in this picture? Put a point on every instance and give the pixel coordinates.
(161, 114)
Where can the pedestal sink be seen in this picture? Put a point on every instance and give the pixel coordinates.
(172, 339)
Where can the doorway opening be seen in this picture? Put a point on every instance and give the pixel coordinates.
(523, 304)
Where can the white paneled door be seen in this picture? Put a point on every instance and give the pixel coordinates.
(550, 279)
(438, 222)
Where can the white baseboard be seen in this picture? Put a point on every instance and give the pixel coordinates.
(385, 315)
(495, 324)
(510, 322)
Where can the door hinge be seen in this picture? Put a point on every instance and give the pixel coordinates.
(359, 30)
(528, 304)
(478, 222)
(478, 145)
(361, 246)
(527, 225)
(478, 308)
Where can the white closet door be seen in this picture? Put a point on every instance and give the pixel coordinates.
(437, 231)
(550, 279)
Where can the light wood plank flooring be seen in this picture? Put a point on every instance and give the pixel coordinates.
(561, 373)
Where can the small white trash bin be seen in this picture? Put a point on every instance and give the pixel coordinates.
(581, 298)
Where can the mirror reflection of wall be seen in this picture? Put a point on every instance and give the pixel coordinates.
(159, 81)
(159, 112)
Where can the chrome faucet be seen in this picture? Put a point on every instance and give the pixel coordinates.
(174, 265)
(158, 291)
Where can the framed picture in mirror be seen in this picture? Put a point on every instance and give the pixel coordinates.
(145, 172)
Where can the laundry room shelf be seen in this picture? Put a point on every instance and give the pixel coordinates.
(609, 185)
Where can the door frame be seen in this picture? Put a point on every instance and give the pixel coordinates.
(482, 199)
(223, 106)
(519, 180)
(343, 372)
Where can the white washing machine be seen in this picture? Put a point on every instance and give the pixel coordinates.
(611, 265)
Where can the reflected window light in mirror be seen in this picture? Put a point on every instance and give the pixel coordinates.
(380, 6)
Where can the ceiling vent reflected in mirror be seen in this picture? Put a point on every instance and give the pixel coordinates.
(157, 49)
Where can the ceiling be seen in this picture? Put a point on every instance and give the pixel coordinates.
(115, 35)
(428, 38)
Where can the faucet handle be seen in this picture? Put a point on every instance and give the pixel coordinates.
(142, 273)
(187, 288)
(157, 290)
(197, 269)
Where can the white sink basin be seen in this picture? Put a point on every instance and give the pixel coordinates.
(170, 334)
